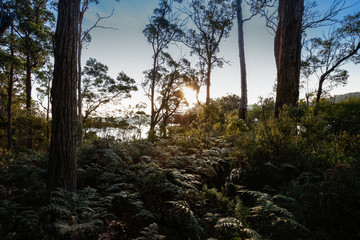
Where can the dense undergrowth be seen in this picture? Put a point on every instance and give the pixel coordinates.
(296, 177)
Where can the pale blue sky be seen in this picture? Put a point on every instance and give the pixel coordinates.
(126, 50)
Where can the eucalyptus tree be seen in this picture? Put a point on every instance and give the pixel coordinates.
(256, 7)
(62, 155)
(164, 28)
(288, 52)
(85, 37)
(44, 77)
(306, 14)
(176, 75)
(11, 70)
(98, 88)
(212, 21)
(326, 55)
(34, 22)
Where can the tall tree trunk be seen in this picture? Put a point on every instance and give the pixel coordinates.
(62, 155)
(48, 114)
(28, 103)
(79, 81)
(208, 75)
(243, 102)
(9, 107)
(287, 51)
(10, 98)
(152, 99)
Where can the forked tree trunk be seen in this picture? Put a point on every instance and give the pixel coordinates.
(62, 156)
(243, 102)
(287, 51)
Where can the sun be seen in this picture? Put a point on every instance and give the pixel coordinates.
(190, 95)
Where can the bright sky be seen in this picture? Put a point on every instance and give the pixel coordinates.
(126, 50)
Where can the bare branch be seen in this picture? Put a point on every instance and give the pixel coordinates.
(99, 19)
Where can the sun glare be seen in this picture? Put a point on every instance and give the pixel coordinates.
(190, 95)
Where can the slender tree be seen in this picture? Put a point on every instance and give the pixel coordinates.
(11, 65)
(326, 55)
(10, 92)
(44, 79)
(99, 89)
(256, 7)
(213, 21)
(34, 20)
(288, 52)
(62, 155)
(85, 37)
(160, 32)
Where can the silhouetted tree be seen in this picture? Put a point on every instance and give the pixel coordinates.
(160, 32)
(328, 54)
(98, 88)
(213, 21)
(256, 7)
(34, 20)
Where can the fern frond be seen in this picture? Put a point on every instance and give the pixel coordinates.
(150, 232)
(229, 224)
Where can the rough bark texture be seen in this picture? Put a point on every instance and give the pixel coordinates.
(62, 158)
(288, 52)
(243, 102)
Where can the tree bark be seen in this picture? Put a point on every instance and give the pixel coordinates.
(62, 155)
(208, 75)
(28, 102)
(287, 51)
(243, 101)
(10, 98)
(79, 81)
(151, 135)
(9, 107)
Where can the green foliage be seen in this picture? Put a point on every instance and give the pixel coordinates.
(75, 217)
(151, 232)
(99, 89)
(295, 177)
